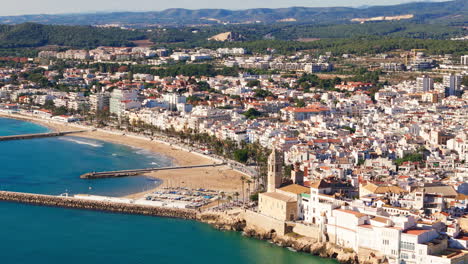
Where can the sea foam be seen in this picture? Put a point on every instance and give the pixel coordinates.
(84, 142)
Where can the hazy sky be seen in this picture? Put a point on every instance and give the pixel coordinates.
(18, 7)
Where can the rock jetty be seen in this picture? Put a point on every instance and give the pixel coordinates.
(70, 202)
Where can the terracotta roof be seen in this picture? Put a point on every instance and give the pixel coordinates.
(373, 188)
(308, 109)
(443, 190)
(295, 188)
(415, 232)
(357, 214)
(380, 219)
(319, 184)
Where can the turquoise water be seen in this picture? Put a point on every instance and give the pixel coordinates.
(54, 165)
(44, 235)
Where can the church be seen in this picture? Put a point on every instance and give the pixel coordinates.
(281, 200)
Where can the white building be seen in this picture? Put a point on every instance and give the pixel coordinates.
(122, 100)
(464, 60)
(453, 82)
(425, 83)
(99, 101)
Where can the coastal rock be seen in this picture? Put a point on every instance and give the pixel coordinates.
(258, 234)
(347, 257)
(223, 221)
(317, 248)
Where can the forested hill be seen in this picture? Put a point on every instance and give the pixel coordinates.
(35, 35)
(427, 12)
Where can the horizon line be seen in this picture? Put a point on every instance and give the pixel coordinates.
(91, 12)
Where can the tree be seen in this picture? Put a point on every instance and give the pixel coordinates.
(412, 157)
(62, 110)
(243, 179)
(254, 197)
(241, 155)
(262, 93)
(49, 104)
(204, 86)
(300, 103)
(253, 83)
(252, 113)
(249, 182)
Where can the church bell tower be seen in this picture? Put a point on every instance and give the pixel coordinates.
(275, 164)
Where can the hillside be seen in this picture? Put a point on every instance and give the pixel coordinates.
(428, 12)
(35, 35)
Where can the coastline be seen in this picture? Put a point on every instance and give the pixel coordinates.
(224, 178)
(218, 178)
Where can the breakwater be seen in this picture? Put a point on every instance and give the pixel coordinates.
(40, 135)
(71, 202)
(125, 173)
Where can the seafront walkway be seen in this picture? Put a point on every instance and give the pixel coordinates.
(125, 173)
(249, 171)
(40, 135)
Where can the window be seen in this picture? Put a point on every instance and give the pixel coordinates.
(407, 245)
(404, 256)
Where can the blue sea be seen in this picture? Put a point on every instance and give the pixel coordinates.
(45, 235)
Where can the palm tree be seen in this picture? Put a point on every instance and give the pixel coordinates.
(222, 194)
(236, 194)
(248, 188)
(243, 179)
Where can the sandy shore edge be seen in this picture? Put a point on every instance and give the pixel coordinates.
(217, 178)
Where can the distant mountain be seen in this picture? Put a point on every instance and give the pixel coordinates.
(427, 12)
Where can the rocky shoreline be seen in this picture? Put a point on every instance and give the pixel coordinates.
(236, 222)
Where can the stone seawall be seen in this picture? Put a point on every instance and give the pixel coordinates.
(257, 226)
(69, 202)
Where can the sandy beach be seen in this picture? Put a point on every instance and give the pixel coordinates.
(216, 178)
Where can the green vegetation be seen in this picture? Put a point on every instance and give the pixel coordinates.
(252, 153)
(307, 81)
(253, 83)
(254, 197)
(413, 157)
(300, 103)
(428, 12)
(241, 155)
(35, 35)
(252, 113)
(62, 110)
(169, 70)
(359, 45)
(261, 93)
(369, 38)
(395, 29)
(350, 129)
(363, 75)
